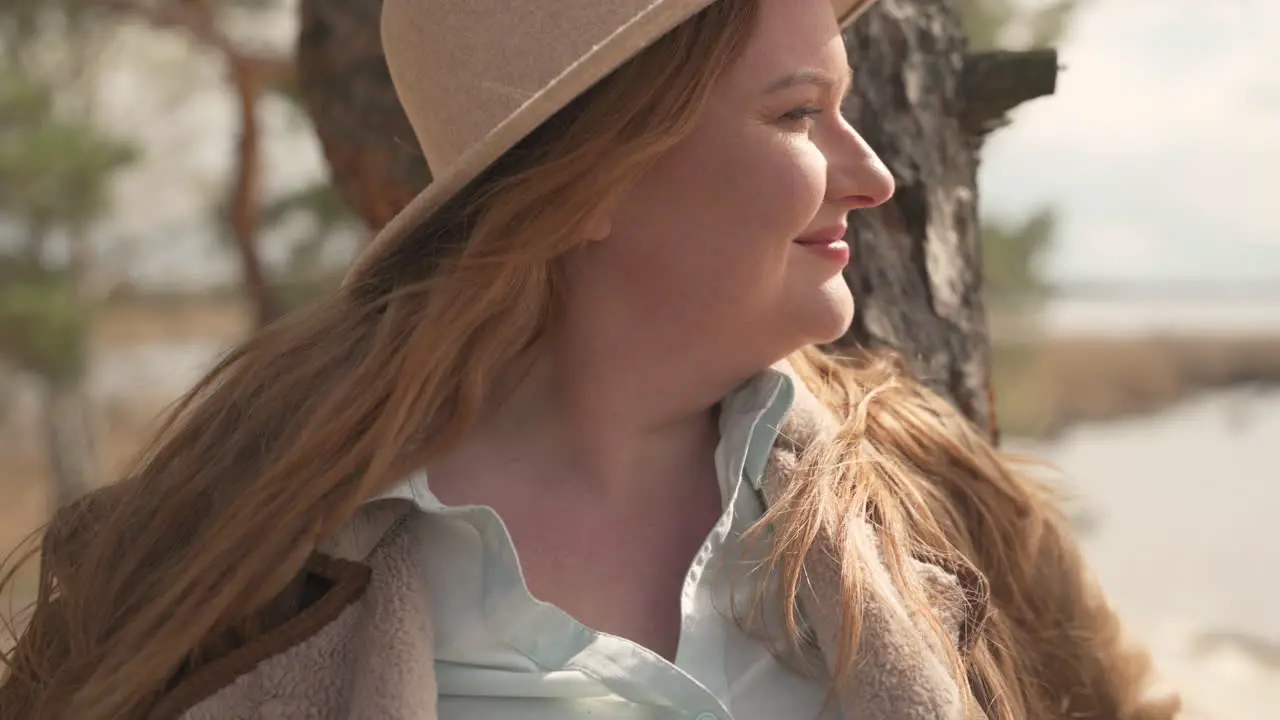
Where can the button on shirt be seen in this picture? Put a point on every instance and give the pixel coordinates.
(502, 653)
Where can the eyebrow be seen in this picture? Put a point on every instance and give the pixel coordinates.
(810, 76)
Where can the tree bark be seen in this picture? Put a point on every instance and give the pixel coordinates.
(916, 272)
(996, 82)
(372, 153)
(916, 269)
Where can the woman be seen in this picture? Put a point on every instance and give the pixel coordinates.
(589, 346)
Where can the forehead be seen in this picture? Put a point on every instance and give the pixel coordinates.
(790, 35)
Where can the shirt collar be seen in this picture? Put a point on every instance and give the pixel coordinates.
(750, 418)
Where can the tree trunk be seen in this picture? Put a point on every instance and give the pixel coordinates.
(32, 251)
(371, 149)
(916, 272)
(916, 269)
(68, 425)
(244, 209)
(68, 431)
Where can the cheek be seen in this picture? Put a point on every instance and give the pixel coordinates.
(746, 193)
(775, 188)
(711, 223)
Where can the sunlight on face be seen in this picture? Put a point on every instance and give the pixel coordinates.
(703, 256)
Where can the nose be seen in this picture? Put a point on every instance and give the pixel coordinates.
(858, 178)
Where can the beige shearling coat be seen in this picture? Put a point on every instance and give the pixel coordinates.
(352, 638)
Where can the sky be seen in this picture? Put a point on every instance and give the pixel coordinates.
(1161, 147)
(1160, 150)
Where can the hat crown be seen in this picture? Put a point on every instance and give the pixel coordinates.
(463, 67)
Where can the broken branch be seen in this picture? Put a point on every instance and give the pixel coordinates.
(993, 83)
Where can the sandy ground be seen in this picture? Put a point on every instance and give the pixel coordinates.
(1182, 524)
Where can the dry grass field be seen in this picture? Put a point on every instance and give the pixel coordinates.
(1045, 387)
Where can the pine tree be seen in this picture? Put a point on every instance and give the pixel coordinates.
(55, 174)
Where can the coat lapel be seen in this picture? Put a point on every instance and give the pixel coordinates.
(898, 673)
(371, 661)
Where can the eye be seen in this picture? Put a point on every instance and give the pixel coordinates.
(801, 114)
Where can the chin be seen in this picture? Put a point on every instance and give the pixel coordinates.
(828, 313)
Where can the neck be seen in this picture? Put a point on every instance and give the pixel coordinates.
(605, 415)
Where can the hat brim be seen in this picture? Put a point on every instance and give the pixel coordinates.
(590, 69)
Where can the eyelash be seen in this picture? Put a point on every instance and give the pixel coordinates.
(802, 113)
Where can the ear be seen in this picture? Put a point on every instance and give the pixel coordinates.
(600, 224)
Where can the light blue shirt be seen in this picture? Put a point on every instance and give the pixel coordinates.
(502, 653)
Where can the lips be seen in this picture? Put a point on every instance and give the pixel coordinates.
(825, 236)
(828, 243)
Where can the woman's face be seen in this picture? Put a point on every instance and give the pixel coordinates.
(718, 250)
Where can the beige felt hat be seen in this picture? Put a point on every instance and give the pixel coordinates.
(475, 77)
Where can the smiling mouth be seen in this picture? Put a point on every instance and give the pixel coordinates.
(828, 243)
(835, 251)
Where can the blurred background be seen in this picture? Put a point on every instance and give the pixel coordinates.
(161, 189)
